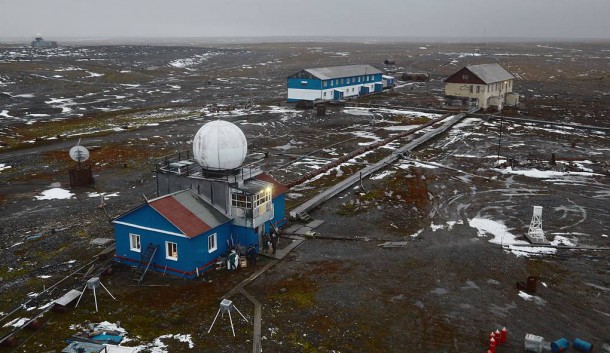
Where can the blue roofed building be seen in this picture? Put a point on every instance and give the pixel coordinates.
(207, 204)
(334, 83)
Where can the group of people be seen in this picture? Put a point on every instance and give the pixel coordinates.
(269, 241)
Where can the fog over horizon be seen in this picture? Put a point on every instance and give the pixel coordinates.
(289, 19)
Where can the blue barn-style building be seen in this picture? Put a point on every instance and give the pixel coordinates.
(334, 83)
(200, 214)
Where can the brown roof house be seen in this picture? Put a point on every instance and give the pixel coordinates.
(484, 86)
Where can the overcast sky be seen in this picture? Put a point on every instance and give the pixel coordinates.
(403, 18)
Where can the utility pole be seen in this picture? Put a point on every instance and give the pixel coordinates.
(500, 138)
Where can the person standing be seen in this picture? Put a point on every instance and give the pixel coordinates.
(266, 243)
(251, 255)
(274, 241)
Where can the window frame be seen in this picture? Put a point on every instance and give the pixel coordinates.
(167, 253)
(214, 239)
(133, 236)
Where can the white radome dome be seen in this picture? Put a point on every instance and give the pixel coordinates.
(220, 145)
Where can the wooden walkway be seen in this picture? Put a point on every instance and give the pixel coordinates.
(258, 308)
(352, 179)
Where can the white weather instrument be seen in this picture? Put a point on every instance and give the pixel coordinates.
(79, 153)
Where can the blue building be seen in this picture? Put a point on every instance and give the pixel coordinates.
(208, 203)
(334, 83)
(188, 234)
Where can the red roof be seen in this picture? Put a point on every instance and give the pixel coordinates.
(278, 188)
(180, 216)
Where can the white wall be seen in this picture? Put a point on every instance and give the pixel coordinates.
(306, 94)
(312, 94)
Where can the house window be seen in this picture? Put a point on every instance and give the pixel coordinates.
(487, 88)
(325, 84)
(171, 251)
(342, 81)
(471, 88)
(324, 94)
(372, 78)
(304, 83)
(331, 83)
(241, 200)
(465, 77)
(134, 242)
(212, 244)
(359, 79)
(478, 89)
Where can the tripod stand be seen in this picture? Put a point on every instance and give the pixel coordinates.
(226, 306)
(93, 283)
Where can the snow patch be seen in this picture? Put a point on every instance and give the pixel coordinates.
(55, 193)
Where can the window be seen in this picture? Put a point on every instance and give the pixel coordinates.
(241, 200)
(342, 81)
(262, 197)
(471, 88)
(336, 81)
(371, 77)
(359, 79)
(478, 89)
(487, 88)
(324, 94)
(465, 77)
(134, 242)
(348, 81)
(171, 251)
(325, 84)
(212, 243)
(331, 83)
(304, 83)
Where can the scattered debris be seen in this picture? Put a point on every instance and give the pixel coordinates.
(394, 244)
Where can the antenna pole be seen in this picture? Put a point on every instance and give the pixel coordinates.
(500, 138)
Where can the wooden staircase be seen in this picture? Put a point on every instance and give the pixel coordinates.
(304, 216)
(147, 256)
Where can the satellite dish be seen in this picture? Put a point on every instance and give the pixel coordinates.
(79, 153)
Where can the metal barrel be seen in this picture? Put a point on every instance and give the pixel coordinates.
(560, 345)
(582, 346)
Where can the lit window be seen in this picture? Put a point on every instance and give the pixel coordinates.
(212, 245)
(331, 83)
(171, 251)
(348, 81)
(359, 79)
(304, 83)
(134, 242)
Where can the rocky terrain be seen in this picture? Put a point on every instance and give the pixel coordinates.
(462, 215)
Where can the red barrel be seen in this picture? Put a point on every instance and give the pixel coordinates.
(503, 335)
(492, 345)
(498, 337)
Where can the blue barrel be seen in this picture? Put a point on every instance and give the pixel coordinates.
(560, 345)
(582, 346)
